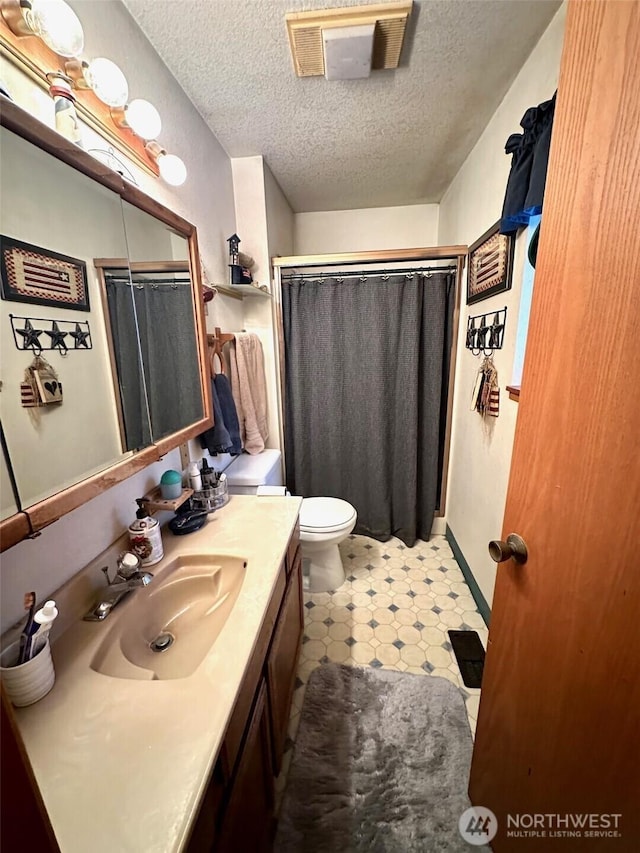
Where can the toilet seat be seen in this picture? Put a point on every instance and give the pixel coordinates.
(325, 515)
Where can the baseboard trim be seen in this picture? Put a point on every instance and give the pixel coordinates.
(465, 568)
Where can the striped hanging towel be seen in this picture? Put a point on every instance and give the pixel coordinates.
(488, 404)
(494, 401)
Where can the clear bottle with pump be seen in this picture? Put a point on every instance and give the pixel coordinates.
(145, 540)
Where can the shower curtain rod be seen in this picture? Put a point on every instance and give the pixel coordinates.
(365, 273)
(140, 282)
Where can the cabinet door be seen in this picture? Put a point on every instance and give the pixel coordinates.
(203, 833)
(282, 661)
(248, 820)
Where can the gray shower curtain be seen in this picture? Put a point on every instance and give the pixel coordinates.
(163, 328)
(366, 376)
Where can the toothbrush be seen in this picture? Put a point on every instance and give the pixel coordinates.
(27, 631)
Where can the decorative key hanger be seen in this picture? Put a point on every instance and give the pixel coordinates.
(485, 332)
(36, 334)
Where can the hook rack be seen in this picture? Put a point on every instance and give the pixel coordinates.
(215, 343)
(29, 337)
(486, 336)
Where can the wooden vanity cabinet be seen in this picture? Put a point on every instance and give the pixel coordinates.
(284, 649)
(247, 823)
(237, 809)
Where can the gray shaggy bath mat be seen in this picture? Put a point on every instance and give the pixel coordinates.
(380, 765)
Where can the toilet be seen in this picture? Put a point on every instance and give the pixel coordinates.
(245, 473)
(324, 522)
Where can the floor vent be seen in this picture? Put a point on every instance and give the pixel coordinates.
(469, 652)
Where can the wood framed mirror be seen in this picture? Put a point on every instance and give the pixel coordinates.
(58, 200)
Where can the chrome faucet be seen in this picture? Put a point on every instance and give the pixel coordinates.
(129, 576)
(128, 572)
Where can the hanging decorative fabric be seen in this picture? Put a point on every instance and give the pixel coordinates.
(485, 398)
(530, 156)
(41, 385)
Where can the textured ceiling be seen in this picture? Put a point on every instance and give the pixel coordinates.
(398, 137)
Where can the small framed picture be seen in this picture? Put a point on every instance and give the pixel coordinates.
(490, 265)
(42, 277)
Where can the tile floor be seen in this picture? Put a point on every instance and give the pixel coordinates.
(393, 611)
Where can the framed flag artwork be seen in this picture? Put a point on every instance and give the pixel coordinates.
(490, 265)
(42, 277)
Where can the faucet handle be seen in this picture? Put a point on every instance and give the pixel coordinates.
(105, 569)
(128, 565)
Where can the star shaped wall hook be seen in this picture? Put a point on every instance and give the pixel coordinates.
(80, 337)
(30, 336)
(57, 337)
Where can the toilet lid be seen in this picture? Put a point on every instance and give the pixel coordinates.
(325, 514)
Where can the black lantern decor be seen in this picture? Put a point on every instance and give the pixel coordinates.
(239, 274)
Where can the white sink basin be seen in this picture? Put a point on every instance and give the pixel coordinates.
(165, 629)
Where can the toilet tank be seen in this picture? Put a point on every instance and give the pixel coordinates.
(246, 472)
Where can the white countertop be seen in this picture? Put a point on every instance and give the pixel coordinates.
(122, 764)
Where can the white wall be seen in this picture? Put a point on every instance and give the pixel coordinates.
(280, 235)
(265, 226)
(481, 458)
(280, 217)
(206, 199)
(369, 229)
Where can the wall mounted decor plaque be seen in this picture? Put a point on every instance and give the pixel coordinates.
(42, 277)
(490, 265)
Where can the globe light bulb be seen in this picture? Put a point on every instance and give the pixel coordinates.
(108, 82)
(172, 169)
(57, 25)
(144, 119)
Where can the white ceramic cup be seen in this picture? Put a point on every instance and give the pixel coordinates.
(29, 682)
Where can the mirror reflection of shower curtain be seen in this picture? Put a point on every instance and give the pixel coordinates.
(165, 327)
(367, 366)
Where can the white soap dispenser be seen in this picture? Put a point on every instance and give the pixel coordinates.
(145, 540)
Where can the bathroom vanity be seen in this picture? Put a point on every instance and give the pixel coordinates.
(136, 761)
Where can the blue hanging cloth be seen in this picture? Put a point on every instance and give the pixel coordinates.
(224, 435)
(529, 159)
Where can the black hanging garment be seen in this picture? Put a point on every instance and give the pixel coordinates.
(530, 156)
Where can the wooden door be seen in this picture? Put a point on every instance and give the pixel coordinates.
(558, 727)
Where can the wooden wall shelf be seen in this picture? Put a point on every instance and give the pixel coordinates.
(239, 291)
(514, 392)
(154, 501)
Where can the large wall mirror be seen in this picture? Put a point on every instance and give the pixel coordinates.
(125, 347)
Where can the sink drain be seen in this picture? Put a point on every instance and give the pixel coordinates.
(162, 642)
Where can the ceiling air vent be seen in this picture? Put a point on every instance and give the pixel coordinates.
(305, 34)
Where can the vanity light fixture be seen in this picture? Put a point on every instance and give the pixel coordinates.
(103, 77)
(137, 123)
(141, 117)
(54, 21)
(172, 169)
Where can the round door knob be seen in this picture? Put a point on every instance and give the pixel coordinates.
(513, 549)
